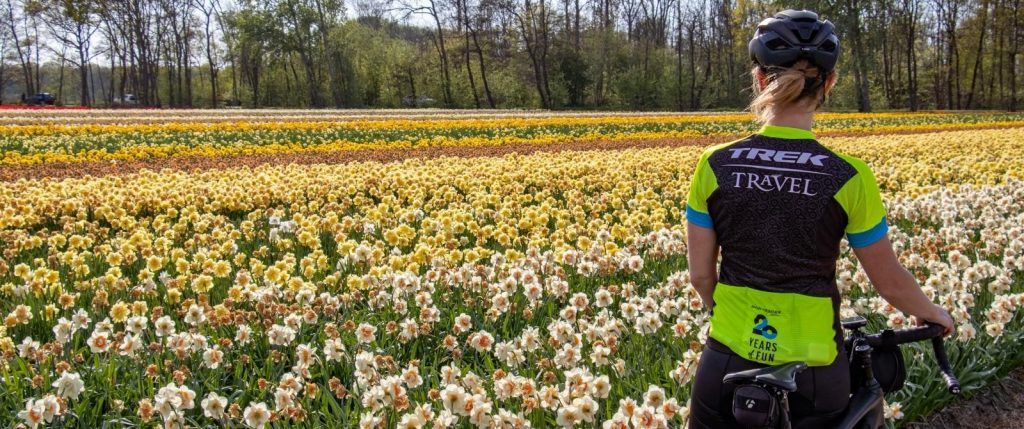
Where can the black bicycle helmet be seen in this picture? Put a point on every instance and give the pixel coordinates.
(792, 35)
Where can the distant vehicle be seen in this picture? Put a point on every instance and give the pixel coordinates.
(41, 99)
(129, 100)
(421, 101)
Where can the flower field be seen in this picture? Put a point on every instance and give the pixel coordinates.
(511, 290)
(36, 139)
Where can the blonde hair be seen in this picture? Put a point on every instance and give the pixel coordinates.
(800, 83)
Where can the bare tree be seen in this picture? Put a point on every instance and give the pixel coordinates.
(479, 17)
(689, 26)
(1014, 51)
(136, 25)
(854, 33)
(72, 23)
(434, 10)
(210, 9)
(588, 53)
(605, 17)
(948, 52)
(22, 43)
(5, 43)
(376, 9)
(462, 18)
(979, 53)
(909, 11)
(533, 26)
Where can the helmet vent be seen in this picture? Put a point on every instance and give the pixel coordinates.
(776, 44)
(827, 46)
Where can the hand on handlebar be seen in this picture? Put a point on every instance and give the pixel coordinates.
(938, 316)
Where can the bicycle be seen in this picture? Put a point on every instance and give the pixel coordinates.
(761, 398)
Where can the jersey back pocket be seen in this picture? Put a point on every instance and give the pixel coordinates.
(774, 328)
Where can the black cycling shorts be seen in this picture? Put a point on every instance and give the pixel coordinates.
(822, 395)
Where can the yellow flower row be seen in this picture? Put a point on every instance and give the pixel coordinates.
(405, 124)
(243, 148)
(53, 152)
(362, 124)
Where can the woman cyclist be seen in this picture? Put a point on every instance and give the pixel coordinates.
(777, 204)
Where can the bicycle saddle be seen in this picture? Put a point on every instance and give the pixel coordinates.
(781, 376)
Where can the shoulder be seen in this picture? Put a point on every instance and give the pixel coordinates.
(862, 179)
(721, 147)
(856, 163)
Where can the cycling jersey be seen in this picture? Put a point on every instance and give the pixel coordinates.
(779, 203)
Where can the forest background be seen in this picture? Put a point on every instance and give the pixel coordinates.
(556, 54)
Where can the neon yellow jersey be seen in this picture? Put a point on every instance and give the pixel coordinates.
(780, 203)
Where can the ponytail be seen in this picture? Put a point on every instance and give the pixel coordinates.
(786, 86)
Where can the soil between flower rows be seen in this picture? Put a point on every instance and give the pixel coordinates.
(193, 163)
(1000, 405)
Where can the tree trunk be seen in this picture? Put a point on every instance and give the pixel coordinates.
(113, 74)
(545, 44)
(186, 67)
(529, 36)
(466, 54)
(694, 96)
(412, 85)
(679, 56)
(576, 26)
(860, 73)
(312, 86)
(725, 16)
(483, 70)
(537, 75)
(213, 72)
(24, 53)
(605, 29)
(60, 81)
(83, 77)
(38, 62)
(442, 52)
(888, 54)
(1014, 49)
(978, 54)
(911, 20)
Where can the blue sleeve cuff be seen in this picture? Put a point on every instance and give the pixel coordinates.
(695, 217)
(869, 237)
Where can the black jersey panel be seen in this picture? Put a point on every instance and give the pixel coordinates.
(775, 215)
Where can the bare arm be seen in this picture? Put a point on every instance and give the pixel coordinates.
(702, 254)
(897, 285)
